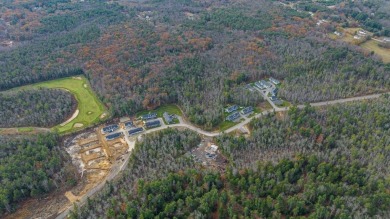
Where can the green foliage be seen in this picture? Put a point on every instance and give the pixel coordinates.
(235, 18)
(303, 187)
(30, 59)
(101, 13)
(30, 167)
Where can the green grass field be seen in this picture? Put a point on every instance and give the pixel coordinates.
(90, 107)
(372, 45)
(225, 125)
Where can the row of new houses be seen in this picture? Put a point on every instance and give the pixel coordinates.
(129, 124)
(236, 115)
(168, 118)
(134, 130)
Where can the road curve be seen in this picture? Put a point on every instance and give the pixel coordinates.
(115, 170)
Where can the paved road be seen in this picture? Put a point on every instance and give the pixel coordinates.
(331, 102)
(117, 167)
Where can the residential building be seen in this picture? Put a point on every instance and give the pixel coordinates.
(274, 92)
(129, 124)
(135, 131)
(149, 116)
(274, 81)
(247, 110)
(152, 124)
(168, 118)
(113, 136)
(231, 109)
(233, 116)
(259, 85)
(110, 128)
(362, 33)
(265, 84)
(273, 98)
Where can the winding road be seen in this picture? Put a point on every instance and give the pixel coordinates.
(118, 167)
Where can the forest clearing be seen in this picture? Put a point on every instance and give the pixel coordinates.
(169, 108)
(373, 45)
(359, 37)
(89, 106)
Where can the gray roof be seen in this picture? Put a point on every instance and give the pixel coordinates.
(153, 123)
(113, 136)
(233, 116)
(168, 118)
(231, 108)
(110, 128)
(247, 110)
(149, 116)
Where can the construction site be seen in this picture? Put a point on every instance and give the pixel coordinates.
(94, 155)
(208, 155)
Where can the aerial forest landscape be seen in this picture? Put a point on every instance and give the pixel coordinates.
(194, 109)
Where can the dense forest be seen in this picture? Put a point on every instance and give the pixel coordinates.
(318, 163)
(35, 107)
(330, 162)
(31, 166)
(49, 42)
(196, 54)
(306, 187)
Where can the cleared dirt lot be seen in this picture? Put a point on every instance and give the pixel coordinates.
(205, 156)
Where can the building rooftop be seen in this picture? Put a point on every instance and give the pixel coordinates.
(247, 110)
(129, 124)
(135, 130)
(153, 123)
(168, 118)
(231, 109)
(149, 116)
(113, 136)
(274, 81)
(259, 85)
(110, 128)
(233, 116)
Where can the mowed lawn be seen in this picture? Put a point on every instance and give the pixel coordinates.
(90, 107)
(372, 45)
